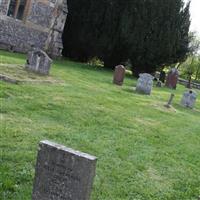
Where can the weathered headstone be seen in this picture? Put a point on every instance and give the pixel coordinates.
(38, 61)
(145, 83)
(119, 74)
(169, 103)
(172, 78)
(62, 173)
(189, 99)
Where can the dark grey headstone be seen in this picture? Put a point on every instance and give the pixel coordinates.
(63, 173)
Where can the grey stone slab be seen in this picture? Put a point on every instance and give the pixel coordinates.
(63, 173)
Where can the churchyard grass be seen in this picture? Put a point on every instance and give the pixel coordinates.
(145, 151)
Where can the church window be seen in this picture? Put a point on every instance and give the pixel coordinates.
(17, 9)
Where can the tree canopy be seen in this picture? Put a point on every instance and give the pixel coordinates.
(151, 33)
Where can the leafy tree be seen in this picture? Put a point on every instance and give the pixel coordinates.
(191, 68)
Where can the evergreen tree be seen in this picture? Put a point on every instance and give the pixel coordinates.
(151, 33)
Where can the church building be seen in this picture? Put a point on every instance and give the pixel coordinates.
(25, 24)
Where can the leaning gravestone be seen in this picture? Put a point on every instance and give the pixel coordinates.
(145, 83)
(169, 103)
(172, 78)
(159, 84)
(62, 173)
(119, 74)
(189, 99)
(38, 61)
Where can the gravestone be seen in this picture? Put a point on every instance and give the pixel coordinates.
(169, 103)
(119, 74)
(62, 173)
(38, 61)
(145, 83)
(189, 99)
(172, 78)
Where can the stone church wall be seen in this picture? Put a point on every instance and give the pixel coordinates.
(42, 27)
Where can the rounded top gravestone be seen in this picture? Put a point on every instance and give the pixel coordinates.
(145, 83)
(119, 74)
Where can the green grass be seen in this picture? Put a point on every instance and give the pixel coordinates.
(145, 151)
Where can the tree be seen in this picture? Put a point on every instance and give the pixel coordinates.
(149, 33)
(194, 45)
(163, 38)
(191, 68)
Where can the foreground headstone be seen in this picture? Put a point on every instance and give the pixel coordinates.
(62, 173)
(119, 74)
(145, 83)
(172, 78)
(38, 61)
(189, 99)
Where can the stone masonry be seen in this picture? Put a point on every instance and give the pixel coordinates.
(37, 23)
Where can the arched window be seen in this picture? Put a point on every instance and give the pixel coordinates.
(18, 9)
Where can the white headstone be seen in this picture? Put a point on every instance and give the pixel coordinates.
(145, 83)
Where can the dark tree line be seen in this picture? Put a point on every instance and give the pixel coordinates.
(150, 33)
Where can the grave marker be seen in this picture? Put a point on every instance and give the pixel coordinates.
(172, 78)
(119, 74)
(62, 173)
(189, 99)
(145, 83)
(169, 103)
(38, 61)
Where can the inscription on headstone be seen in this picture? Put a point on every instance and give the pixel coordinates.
(62, 173)
(168, 105)
(119, 74)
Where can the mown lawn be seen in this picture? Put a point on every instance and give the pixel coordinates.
(144, 150)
